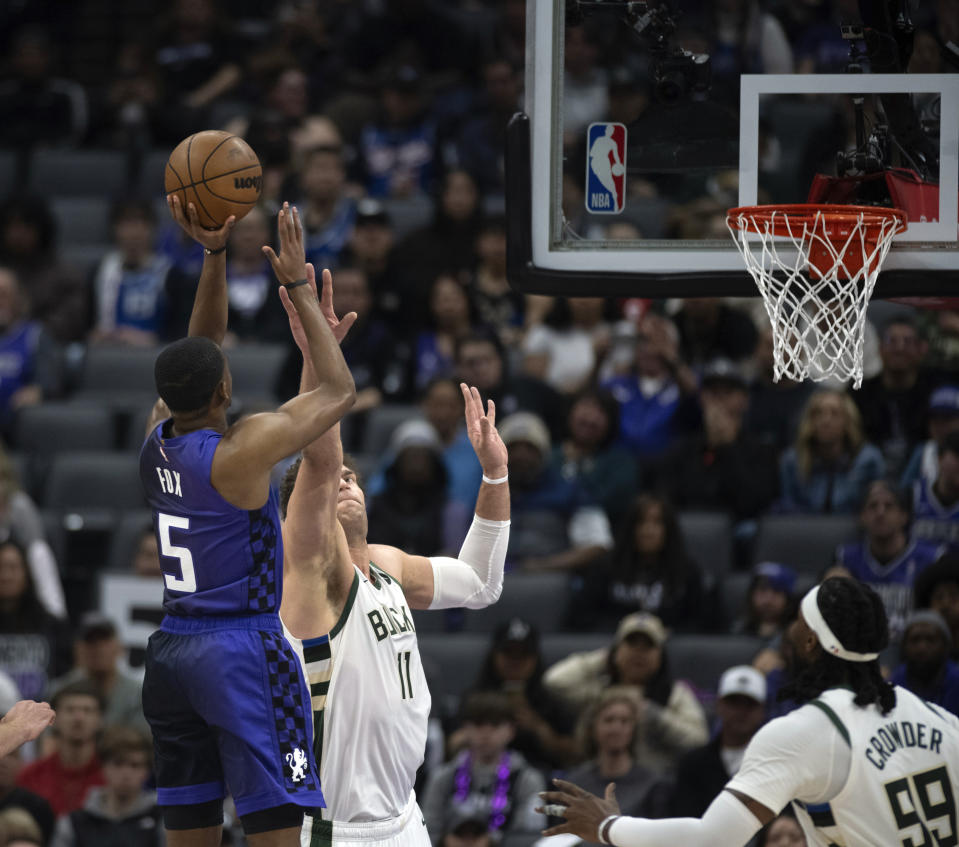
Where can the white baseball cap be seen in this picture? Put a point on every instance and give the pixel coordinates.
(745, 680)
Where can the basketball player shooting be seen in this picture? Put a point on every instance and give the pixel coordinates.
(863, 763)
(223, 690)
(347, 609)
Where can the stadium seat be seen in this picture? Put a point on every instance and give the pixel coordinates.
(82, 220)
(454, 660)
(102, 173)
(151, 173)
(110, 369)
(539, 598)
(80, 482)
(558, 645)
(806, 543)
(734, 587)
(700, 659)
(380, 423)
(254, 368)
(709, 540)
(126, 537)
(9, 170)
(82, 258)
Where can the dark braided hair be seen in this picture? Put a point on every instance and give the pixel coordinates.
(856, 616)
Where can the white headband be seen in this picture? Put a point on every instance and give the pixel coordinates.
(827, 638)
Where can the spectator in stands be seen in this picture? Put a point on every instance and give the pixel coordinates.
(935, 505)
(328, 211)
(481, 141)
(774, 407)
(941, 328)
(32, 359)
(64, 776)
(34, 645)
(450, 318)
(12, 796)
(19, 829)
(769, 601)
(589, 454)
(712, 329)
(887, 559)
(937, 588)
(379, 363)
(481, 360)
(568, 347)
(488, 779)
(651, 397)
(442, 405)
(97, 659)
(943, 419)
(609, 736)
(782, 831)
(647, 571)
(121, 813)
(673, 721)
(137, 297)
(514, 666)
(585, 92)
(702, 773)
(723, 468)
(49, 111)
(397, 150)
(371, 248)
(831, 464)
(926, 668)
(498, 305)
(256, 314)
(555, 525)
(58, 295)
(197, 63)
(146, 558)
(894, 403)
(413, 511)
(467, 832)
(448, 244)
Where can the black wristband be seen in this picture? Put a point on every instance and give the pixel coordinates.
(295, 284)
(216, 252)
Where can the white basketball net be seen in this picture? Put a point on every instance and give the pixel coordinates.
(818, 313)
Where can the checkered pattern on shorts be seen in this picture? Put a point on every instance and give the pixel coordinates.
(263, 593)
(289, 713)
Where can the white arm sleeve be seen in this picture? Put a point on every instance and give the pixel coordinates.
(475, 579)
(727, 821)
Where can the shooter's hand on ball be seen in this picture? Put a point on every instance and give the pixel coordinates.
(584, 812)
(213, 240)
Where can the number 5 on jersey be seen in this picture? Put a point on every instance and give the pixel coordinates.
(186, 582)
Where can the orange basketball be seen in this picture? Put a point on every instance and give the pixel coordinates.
(219, 173)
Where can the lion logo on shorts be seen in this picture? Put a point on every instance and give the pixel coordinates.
(297, 762)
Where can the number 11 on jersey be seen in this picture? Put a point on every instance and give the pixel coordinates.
(403, 666)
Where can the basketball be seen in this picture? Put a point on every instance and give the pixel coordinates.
(618, 169)
(219, 173)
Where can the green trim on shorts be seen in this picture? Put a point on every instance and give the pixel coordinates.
(321, 833)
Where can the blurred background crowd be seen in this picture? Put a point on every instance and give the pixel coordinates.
(670, 501)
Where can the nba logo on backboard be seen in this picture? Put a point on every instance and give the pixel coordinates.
(605, 168)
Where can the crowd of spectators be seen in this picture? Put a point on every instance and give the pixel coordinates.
(385, 122)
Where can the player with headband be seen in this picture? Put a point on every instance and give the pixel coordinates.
(863, 762)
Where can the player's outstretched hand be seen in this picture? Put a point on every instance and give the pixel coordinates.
(481, 428)
(338, 326)
(584, 812)
(24, 722)
(212, 239)
(296, 325)
(290, 265)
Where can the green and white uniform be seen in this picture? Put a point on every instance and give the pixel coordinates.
(858, 778)
(371, 705)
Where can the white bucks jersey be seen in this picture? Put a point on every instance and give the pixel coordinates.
(370, 703)
(903, 783)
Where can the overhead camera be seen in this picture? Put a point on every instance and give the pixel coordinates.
(677, 73)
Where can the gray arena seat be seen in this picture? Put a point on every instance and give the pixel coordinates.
(804, 542)
(77, 172)
(126, 537)
(700, 659)
(82, 220)
(79, 482)
(83, 257)
(254, 368)
(453, 662)
(539, 598)
(733, 589)
(559, 645)
(380, 423)
(150, 176)
(113, 369)
(709, 540)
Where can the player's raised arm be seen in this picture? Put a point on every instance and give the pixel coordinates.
(254, 445)
(473, 580)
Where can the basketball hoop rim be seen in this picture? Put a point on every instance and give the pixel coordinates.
(788, 215)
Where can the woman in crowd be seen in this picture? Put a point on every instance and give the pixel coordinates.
(672, 719)
(769, 599)
(647, 571)
(450, 318)
(831, 464)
